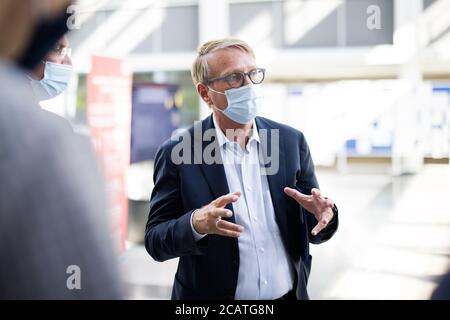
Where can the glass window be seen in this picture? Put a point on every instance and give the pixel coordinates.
(259, 23)
(331, 23)
(178, 32)
(311, 23)
(427, 3)
(358, 33)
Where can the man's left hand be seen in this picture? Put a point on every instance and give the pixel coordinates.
(317, 205)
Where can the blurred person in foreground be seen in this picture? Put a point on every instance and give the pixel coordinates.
(55, 242)
(241, 225)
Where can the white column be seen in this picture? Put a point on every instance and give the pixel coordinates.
(407, 153)
(213, 24)
(213, 19)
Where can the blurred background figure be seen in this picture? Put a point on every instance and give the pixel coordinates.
(51, 77)
(442, 292)
(55, 239)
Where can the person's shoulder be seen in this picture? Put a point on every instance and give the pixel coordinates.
(59, 120)
(186, 136)
(178, 136)
(286, 131)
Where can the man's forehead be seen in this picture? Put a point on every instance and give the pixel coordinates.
(230, 59)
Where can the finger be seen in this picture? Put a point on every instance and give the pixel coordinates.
(298, 196)
(320, 226)
(221, 212)
(316, 193)
(323, 203)
(226, 199)
(329, 214)
(225, 225)
(330, 203)
(227, 233)
(319, 200)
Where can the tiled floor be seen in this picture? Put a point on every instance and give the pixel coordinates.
(393, 241)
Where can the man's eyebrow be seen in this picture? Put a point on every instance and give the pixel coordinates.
(236, 70)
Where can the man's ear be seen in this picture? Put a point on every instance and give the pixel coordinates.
(202, 91)
(39, 71)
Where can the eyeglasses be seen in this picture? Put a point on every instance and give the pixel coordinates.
(237, 79)
(63, 51)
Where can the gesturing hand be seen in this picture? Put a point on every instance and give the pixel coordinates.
(208, 219)
(316, 205)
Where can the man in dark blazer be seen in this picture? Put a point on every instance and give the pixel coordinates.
(236, 197)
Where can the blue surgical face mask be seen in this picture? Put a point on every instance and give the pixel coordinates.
(55, 81)
(243, 103)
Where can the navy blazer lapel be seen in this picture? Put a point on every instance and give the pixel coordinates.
(214, 173)
(276, 181)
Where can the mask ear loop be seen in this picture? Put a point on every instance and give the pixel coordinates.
(32, 78)
(219, 93)
(216, 91)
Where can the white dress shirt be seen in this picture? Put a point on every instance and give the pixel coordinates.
(265, 269)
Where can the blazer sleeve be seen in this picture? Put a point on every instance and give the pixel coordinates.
(168, 231)
(306, 180)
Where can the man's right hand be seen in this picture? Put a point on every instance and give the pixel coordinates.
(208, 219)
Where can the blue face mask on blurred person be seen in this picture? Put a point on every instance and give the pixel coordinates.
(243, 103)
(55, 81)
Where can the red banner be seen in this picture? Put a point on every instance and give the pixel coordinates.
(109, 118)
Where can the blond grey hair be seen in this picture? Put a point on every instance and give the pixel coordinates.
(200, 68)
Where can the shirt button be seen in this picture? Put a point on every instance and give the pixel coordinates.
(255, 218)
(249, 188)
(262, 250)
(265, 282)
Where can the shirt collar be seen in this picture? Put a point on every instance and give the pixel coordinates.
(222, 139)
